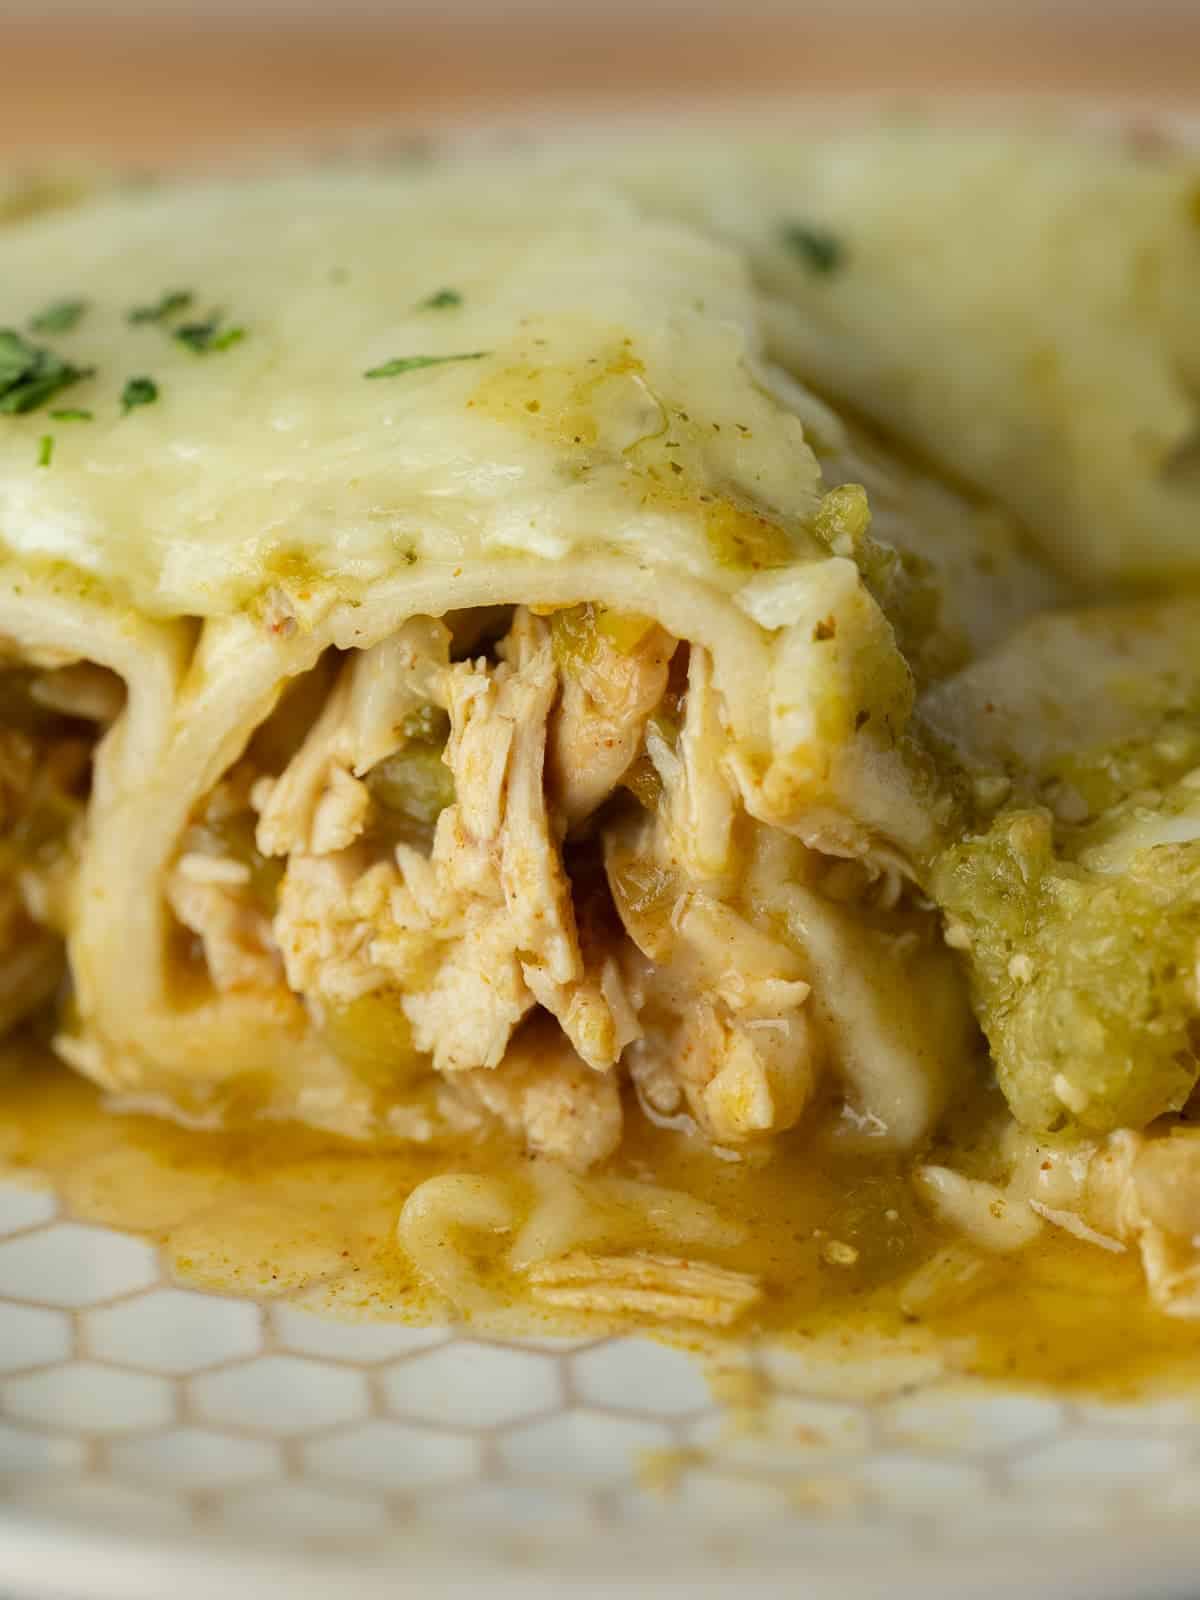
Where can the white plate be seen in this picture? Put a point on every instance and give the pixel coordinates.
(158, 1442)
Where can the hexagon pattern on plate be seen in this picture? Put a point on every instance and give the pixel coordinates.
(128, 1401)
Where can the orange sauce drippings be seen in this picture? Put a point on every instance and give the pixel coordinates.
(277, 1211)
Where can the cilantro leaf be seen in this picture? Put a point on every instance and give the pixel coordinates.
(168, 305)
(820, 250)
(208, 335)
(17, 357)
(72, 414)
(401, 364)
(30, 375)
(443, 300)
(138, 392)
(58, 317)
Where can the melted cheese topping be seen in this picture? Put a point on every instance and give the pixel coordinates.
(1018, 305)
(611, 400)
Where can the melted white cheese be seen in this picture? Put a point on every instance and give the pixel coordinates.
(1020, 305)
(616, 406)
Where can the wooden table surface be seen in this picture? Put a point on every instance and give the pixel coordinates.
(182, 89)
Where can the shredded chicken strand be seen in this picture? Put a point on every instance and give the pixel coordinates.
(326, 922)
(1128, 1191)
(236, 938)
(543, 1093)
(1146, 1191)
(607, 697)
(666, 1288)
(723, 1002)
(318, 805)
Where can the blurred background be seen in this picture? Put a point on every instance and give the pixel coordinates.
(185, 78)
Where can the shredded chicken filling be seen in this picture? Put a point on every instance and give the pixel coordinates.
(525, 871)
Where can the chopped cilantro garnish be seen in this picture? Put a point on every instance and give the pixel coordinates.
(820, 250)
(45, 449)
(138, 392)
(58, 317)
(393, 369)
(16, 355)
(72, 414)
(443, 300)
(30, 375)
(209, 335)
(198, 336)
(167, 306)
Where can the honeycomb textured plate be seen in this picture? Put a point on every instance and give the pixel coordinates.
(148, 1429)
